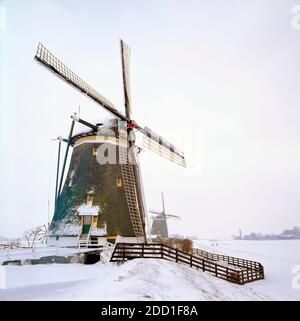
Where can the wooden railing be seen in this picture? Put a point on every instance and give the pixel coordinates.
(236, 274)
(9, 246)
(249, 270)
(236, 261)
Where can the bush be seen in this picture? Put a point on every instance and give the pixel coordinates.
(16, 243)
(185, 245)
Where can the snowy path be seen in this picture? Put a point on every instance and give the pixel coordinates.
(140, 279)
(149, 279)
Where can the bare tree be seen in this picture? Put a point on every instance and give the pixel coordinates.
(36, 233)
(43, 233)
(27, 235)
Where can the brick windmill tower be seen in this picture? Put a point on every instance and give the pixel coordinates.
(102, 196)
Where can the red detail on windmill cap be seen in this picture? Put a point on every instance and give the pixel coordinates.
(131, 124)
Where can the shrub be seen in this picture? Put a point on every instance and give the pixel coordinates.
(185, 245)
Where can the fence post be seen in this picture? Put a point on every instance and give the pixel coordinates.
(161, 251)
(203, 266)
(191, 260)
(176, 255)
(143, 249)
(241, 277)
(123, 247)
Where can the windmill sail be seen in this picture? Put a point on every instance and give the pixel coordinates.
(163, 148)
(125, 57)
(173, 216)
(152, 141)
(47, 59)
(163, 202)
(156, 212)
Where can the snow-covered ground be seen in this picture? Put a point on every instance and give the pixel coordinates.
(278, 258)
(140, 279)
(36, 253)
(150, 279)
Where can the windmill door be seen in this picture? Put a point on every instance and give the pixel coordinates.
(87, 220)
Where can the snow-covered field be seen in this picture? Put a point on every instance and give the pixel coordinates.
(149, 279)
(35, 253)
(140, 279)
(278, 258)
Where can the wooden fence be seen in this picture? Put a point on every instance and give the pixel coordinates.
(237, 274)
(9, 246)
(236, 261)
(249, 270)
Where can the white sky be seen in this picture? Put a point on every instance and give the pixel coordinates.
(224, 74)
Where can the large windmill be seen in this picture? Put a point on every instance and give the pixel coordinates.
(102, 197)
(159, 226)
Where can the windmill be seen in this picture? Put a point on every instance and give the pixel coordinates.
(159, 221)
(102, 196)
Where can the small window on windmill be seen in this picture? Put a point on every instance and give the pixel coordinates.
(89, 199)
(94, 151)
(119, 182)
(95, 221)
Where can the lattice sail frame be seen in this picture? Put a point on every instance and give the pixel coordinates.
(152, 141)
(44, 56)
(125, 58)
(158, 145)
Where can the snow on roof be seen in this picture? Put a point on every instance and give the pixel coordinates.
(98, 231)
(85, 209)
(65, 229)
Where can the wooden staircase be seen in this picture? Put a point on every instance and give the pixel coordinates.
(84, 240)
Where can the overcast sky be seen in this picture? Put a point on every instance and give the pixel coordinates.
(220, 79)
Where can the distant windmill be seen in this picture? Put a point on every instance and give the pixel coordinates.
(159, 221)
